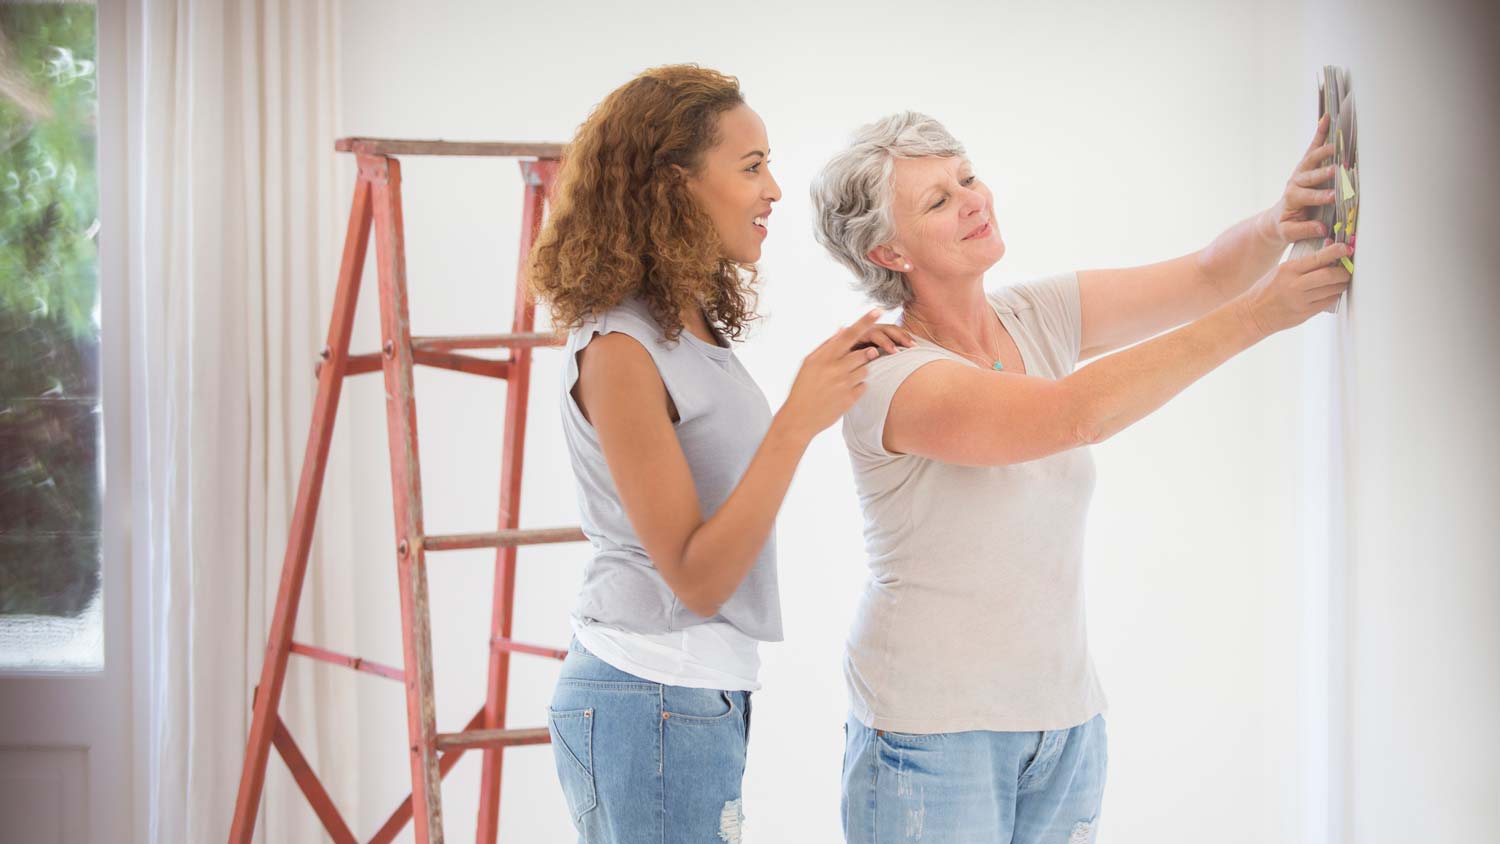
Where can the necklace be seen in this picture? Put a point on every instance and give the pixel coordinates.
(995, 361)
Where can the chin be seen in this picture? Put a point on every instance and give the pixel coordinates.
(746, 256)
(987, 259)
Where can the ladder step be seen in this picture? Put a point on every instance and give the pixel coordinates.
(512, 646)
(361, 364)
(493, 738)
(357, 663)
(404, 146)
(524, 340)
(502, 538)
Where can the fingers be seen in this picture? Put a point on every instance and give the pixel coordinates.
(859, 357)
(854, 332)
(1323, 257)
(1314, 177)
(880, 340)
(1326, 304)
(1303, 197)
(1334, 276)
(1304, 230)
(1316, 156)
(891, 338)
(1319, 134)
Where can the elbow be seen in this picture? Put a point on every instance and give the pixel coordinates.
(704, 609)
(700, 604)
(1090, 424)
(1088, 431)
(691, 592)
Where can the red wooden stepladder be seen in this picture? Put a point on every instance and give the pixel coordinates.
(377, 204)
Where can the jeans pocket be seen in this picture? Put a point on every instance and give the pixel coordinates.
(572, 752)
(697, 706)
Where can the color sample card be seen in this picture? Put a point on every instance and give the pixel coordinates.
(1336, 99)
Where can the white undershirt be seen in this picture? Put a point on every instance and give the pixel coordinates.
(713, 655)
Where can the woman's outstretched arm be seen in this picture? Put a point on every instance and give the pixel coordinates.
(1125, 306)
(961, 414)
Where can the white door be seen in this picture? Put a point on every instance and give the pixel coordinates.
(65, 578)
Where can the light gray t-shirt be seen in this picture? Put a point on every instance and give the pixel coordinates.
(973, 615)
(723, 416)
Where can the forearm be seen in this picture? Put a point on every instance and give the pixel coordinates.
(1116, 391)
(1242, 254)
(721, 551)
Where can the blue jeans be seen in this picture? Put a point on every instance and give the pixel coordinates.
(646, 762)
(979, 786)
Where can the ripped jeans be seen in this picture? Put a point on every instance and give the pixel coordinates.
(973, 787)
(646, 762)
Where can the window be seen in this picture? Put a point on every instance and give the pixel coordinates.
(51, 471)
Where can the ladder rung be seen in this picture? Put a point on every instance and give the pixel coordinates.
(361, 364)
(400, 146)
(357, 663)
(502, 538)
(523, 340)
(493, 738)
(503, 644)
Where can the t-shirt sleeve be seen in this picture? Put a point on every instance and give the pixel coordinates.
(864, 422)
(1059, 311)
(622, 321)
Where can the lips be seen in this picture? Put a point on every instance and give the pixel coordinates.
(983, 230)
(760, 222)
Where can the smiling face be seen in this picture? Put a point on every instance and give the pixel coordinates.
(944, 217)
(733, 184)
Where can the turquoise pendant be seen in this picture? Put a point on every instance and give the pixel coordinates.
(999, 365)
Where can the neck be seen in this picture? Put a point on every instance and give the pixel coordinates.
(957, 312)
(694, 321)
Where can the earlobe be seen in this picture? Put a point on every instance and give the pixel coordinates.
(884, 256)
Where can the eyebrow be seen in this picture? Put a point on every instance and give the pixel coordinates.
(925, 198)
(752, 152)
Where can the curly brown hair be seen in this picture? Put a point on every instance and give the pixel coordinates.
(623, 221)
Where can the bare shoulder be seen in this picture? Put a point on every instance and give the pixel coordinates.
(616, 373)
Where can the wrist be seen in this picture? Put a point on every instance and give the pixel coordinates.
(785, 432)
(1243, 312)
(1266, 228)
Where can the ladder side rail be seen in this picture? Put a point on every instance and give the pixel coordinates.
(538, 178)
(406, 493)
(304, 517)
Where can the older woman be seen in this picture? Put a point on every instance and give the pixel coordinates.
(976, 714)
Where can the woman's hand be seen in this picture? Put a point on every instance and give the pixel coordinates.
(1292, 218)
(1296, 290)
(885, 337)
(832, 377)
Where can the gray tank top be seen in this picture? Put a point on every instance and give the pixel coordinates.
(723, 416)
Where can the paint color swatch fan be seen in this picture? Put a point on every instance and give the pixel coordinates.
(1336, 99)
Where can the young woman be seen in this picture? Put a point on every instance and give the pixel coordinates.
(648, 258)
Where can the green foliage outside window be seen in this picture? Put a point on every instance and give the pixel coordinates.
(50, 445)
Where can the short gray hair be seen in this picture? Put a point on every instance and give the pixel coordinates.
(852, 197)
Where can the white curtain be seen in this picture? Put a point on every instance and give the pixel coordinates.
(234, 237)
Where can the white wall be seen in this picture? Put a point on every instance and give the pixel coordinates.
(1422, 749)
(1111, 136)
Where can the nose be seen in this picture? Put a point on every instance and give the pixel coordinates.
(973, 202)
(772, 190)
